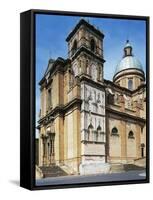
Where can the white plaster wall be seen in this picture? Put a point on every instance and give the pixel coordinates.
(91, 95)
(94, 149)
(94, 168)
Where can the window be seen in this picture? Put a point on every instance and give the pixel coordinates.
(115, 132)
(74, 48)
(99, 128)
(49, 102)
(95, 136)
(90, 133)
(99, 134)
(130, 84)
(92, 45)
(131, 135)
(80, 65)
(99, 72)
(51, 147)
(87, 66)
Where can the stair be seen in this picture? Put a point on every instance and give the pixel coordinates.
(141, 162)
(68, 170)
(129, 167)
(52, 171)
(117, 168)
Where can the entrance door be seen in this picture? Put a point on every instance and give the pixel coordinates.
(52, 149)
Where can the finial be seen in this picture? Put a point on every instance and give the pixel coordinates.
(127, 49)
(127, 43)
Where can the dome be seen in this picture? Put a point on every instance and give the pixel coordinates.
(128, 62)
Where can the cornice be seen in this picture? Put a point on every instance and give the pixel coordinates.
(83, 22)
(60, 109)
(124, 115)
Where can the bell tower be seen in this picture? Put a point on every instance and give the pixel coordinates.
(85, 49)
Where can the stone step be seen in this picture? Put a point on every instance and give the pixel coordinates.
(52, 171)
(117, 168)
(129, 167)
(125, 167)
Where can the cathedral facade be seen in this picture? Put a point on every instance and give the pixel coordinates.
(87, 123)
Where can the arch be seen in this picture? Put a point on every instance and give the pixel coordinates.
(90, 126)
(114, 131)
(92, 45)
(131, 135)
(90, 129)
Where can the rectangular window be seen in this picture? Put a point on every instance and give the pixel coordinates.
(49, 102)
(130, 84)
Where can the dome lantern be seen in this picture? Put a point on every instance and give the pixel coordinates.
(129, 69)
(127, 49)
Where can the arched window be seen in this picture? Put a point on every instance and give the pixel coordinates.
(80, 66)
(90, 129)
(131, 135)
(74, 48)
(115, 131)
(87, 66)
(95, 136)
(99, 128)
(130, 84)
(92, 45)
(99, 135)
(49, 98)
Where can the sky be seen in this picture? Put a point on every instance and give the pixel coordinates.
(52, 30)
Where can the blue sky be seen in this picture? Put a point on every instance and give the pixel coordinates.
(52, 30)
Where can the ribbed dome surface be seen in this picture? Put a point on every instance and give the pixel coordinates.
(127, 63)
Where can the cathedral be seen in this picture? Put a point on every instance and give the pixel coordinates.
(86, 123)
